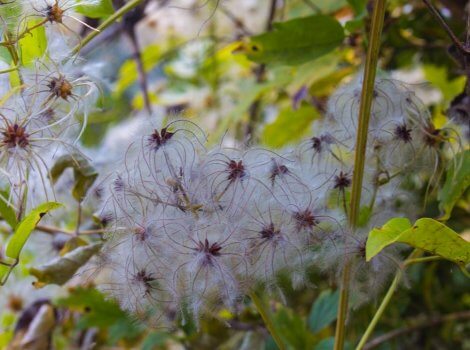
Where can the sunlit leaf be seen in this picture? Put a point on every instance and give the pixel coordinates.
(457, 182)
(427, 234)
(290, 125)
(61, 269)
(34, 44)
(95, 9)
(296, 41)
(84, 174)
(380, 237)
(25, 227)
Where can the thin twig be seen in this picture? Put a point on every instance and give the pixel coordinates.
(54, 230)
(417, 325)
(446, 27)
(106, 23)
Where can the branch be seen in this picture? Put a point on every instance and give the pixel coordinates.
(109, 21)
(417, 325)
(446, 27)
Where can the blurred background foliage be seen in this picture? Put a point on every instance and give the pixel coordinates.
(220, 64)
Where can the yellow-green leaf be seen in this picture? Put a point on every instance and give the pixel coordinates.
(426, 234)
(380, 237)
(25, 227)
(290, 125)
(34, 44)
(94, 9)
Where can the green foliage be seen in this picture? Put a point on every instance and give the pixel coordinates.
(323, 310)
(7, 212)
(427, 234)
(33, 44)
(61, 269)
(101, 312)
(97, 9)
(456, 183)
(293, 329)
(84, 174)
(296, 41)
(290, 125)
(25, 227)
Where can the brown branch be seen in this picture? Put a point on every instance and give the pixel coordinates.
(54, 230)
(465, 51)
(417, 325)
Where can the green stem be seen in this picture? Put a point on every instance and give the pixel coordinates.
(106, 23)
(359, 158)
(412, 259)
(259, 304)
(8, 70)
(380, 311)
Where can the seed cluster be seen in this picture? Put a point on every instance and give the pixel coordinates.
(209, 225)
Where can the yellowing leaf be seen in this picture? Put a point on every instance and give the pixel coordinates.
(34, 44)
(290, 125)
(25, 227)
(427, 234)
(381, 237)
(61, 269)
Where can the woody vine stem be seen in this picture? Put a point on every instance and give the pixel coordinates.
(359, 158)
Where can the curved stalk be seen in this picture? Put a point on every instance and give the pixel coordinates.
(106, 23)
(359, 158)
(259, 304)
(412, 259)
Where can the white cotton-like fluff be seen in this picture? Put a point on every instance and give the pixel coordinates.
(191, 229)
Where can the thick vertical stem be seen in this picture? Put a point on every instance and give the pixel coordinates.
(359, 159)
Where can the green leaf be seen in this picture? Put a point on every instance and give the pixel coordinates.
(359, 6)
(296, 41)
(329, 6)
(380, 237)
(457, 182)
(153, 340)
(293, 329)
(61, 269)
(7, 211)
(25, 227)
(95, 9)
(325, 344)
(427, 234)
(12, 11)
(84, 174)
(33, 44)
(100, 312)
(290, 125)
(323, 310)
